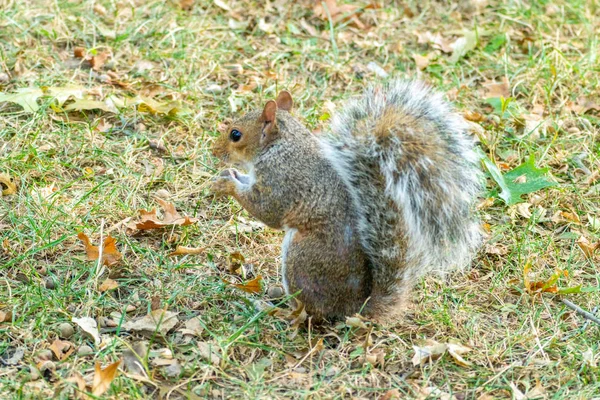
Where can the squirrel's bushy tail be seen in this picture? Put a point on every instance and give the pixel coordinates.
(404, 141)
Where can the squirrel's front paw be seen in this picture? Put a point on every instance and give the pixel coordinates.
(224, 184)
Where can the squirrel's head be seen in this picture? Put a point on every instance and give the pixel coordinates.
(245, 137)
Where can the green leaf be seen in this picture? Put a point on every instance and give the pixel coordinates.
(524, 179)
(576, 289)
(25, 97)
(495, 43)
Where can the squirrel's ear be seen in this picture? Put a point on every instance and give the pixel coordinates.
(268, 118)
(284, 100)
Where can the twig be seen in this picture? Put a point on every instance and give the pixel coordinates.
(581, 311)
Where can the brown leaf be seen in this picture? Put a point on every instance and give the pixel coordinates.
(436, 40)
(210, 352)
(182, 250)
(61, 349)
(391, 394)
(253, 286)
(104, 377)
(6, 316)
(186, 5)
(586, 247)
(78, 52)
(110, 254)
(108, 284)
(77, 379)
(7, 182)
(496, 89)
(157, 322)
(149, 220)
(99, 60)
(422, 61)
(582, 105)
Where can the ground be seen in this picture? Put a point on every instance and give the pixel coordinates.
(159, 79)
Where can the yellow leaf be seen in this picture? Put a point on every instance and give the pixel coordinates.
(103, 378)
(88, 104)
(6, 181)
(108, 284)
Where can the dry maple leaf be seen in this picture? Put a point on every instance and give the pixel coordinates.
(104, 377)
(62, 349)
(7, 182)
(149, 220)
(110, 254)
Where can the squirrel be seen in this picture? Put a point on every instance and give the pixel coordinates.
(381, 199)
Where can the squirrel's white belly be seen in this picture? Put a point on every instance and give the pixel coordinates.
(287, 240)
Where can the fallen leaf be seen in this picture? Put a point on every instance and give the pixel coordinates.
(77, 379)
(99, 60)
(186, 5)
(462, 46)
(391, 395)
(157, 322)
(149, 220)
(108, 284)
(110, 254)
(494, 89)
(62, 94)
(89, 326)
(456, 351)
(253, 286)
(422, 61)
(89, 104)
(436, 40)
(182, 250)
(586, 247)
(62, 349)
(104, 377)
(356, 322)
(6, 316)
(589, 358)
(473, 116)
(78, 52)
(193, 326)
(25, 97)
(524, 179)
(6, 181)
(209, 352)
(430, 351)
(149, 105)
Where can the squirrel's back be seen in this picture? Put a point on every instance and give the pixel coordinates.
(404, 140)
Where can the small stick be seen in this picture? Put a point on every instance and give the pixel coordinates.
(581, 311)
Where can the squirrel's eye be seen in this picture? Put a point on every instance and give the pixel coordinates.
(235, 135)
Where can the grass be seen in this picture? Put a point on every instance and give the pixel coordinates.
(76, 175)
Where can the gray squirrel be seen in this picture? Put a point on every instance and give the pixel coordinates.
(383, 198)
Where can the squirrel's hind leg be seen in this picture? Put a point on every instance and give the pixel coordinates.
(333, 278)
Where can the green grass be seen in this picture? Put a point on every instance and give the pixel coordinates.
(74, 177)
